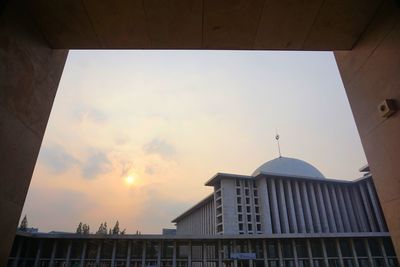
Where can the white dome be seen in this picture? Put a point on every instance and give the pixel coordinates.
(289, 166)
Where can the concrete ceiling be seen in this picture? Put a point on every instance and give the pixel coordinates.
(204, 24)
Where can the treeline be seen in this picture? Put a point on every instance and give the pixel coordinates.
(84, 229)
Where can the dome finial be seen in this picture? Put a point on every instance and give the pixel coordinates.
(277, 140)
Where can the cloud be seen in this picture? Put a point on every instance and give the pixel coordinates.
(57, 159)
(97, 163)
(89, 113)
(126, 167)
(160, 147)
(150, 170)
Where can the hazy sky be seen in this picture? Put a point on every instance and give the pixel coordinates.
(171, 120)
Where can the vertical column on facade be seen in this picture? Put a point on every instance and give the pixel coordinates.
(219, 253)
(84, 247)
(342, 207)
(339, 251)
(53, 253)
(250, 251)
(307, 209)
(189, 254)
(38, 253)
(159, 253)
(128, 254)
(376, 206)
(282, 207)
(290, 204)
(265, 209)
(114, 250)
(314, 209)
(204, 253)
(143, 253)
(354, 253)
(280, 254)
(174, 254)
(17, 256)
(349, 205)
(296, 258)
(67, 259)
(359, 209)
(328, 205)
(382, 247)
(235, 263)
(324, 252)
(370, 262)
(309, 253)
(321, 209)
(368, 209)
(98, 253)
(275, 209)
(335, 207)
(264, 247)
(299, 208)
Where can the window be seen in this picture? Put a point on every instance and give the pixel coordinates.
(238, 191)
(247, 201)
(246, 183)
(219, 228)
(256, 201)
(239, 208)
(240, 226)
(248, 208)
(257, 209)
(255, 192)
(250, 227)
(254, 184)
(249, 218)
(239, 200)
(259, 227)
(240, 217)
(237, 182)
(247, 192)
(257, 218)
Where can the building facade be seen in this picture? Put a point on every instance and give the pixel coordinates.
(285, 214)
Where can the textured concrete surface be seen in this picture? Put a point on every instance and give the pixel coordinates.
(370, 74)
(29, 75)
(204, 24)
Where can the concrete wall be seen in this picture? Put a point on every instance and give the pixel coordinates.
(29, 76)
(229, 204)
(371, 73)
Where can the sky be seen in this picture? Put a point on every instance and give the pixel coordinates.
(134, 135)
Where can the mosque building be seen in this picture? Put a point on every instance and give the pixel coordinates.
(286, 214)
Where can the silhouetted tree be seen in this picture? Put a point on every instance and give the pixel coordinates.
(123, 232)
(24, 224)
(85, 229)
(115, 230)
(79, 230)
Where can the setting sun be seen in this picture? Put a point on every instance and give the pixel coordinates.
(130, 180)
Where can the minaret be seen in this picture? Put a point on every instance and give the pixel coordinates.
(279, 147)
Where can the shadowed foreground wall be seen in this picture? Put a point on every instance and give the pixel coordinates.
(29, 76)
(371, 73)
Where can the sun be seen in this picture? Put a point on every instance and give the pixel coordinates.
(130, 180)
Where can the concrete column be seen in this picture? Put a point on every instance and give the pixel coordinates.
(113, 253)
(350, 211)
(203, 254)
(314, 209)
(68, 253)
(296, 258)
(274, 209)
(368, 209)
(370, 74)
(307, 208)
(383, 252)
(83, 254)
(189, 255)
(339, 250)
(143, 253)
(290, 204)
(343, 211)
(325, 253)
(359, 209)
(354, 253)
(309, 252)
(250, 251)
(128, 256)
(38, 254)
(29, 73)
(376, 206)
(219, 253)
(264, 244)
(336, 209)
(370, 262)
(53, 253)
(174, 255)
(98, 253)
(159, 253)
(321, 209)
(281, 263)
(299, 208)
(282, 208)
(264, 204)
(328, 205)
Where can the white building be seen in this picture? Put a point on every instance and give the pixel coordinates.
(284, 196)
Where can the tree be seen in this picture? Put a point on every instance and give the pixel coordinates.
(123, 232)
(79, 230)
(24, 224)
(115, 230)
(85, 229)
(109, 232)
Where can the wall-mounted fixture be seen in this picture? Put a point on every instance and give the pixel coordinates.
(387, 108)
